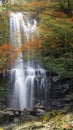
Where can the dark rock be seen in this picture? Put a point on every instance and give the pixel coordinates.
(39, 106)
(51, 73)
(2, 106)
(39, 109)
(14, 114)
(57, 91)
(33, 113)
(2, 114)
(28, 115)
(4, 117)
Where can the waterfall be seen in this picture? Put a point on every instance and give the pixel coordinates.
(28, 79)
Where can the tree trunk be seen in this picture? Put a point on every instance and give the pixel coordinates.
(69, 9)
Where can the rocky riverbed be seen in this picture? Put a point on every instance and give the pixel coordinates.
(64, 122)
(37, 119)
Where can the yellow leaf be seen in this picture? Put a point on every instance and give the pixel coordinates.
(1, 128)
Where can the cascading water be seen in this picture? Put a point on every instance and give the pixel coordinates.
(28, 79)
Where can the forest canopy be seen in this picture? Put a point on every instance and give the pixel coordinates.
(55, 25)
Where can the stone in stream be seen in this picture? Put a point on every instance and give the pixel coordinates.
(39, 109)
(9, 115)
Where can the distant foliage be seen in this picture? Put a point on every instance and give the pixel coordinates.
(3, 27)
(67, 7)
(57, 44)
(55, 25)
(8, 54)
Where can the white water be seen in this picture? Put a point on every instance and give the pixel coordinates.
(23, 75)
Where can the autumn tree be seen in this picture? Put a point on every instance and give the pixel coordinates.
(66, 6)
(69, 8)
(56, 36)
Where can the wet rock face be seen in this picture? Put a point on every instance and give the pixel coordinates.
(59, 90)
(55, 95)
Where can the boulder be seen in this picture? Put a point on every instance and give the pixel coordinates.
(4, 117)
(14, 114)
(39, 109)
(28, 115)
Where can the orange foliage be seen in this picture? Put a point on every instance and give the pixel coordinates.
(32, 45)
(59, 14)
(15, 7)
(4, 54)
(54, 45)
(69, 20)
(4, 49)
(36, 5)
(8, 53)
